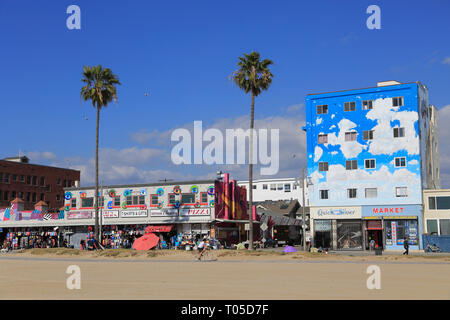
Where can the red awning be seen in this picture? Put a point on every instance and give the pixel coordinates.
(158, 229)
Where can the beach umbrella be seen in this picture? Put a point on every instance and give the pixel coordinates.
(288, 249)
(146, 242)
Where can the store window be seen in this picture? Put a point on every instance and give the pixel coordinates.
(349, 234)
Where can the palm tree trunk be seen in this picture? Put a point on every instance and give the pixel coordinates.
(96, 234)
(250, 174)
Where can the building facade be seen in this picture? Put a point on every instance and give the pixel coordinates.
(370, 153)
(436, 214)
(33, 183)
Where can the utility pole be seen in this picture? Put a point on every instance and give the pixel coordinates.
(303, 210)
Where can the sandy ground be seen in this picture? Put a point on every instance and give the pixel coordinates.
(176, 275)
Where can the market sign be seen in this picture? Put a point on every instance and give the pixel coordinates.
(164, 213)
(79, 215)
(110, 213)
(389, 211)
(195, 212)
(133, 213)
(336, 213)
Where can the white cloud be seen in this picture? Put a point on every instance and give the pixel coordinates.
(350, 149)
(319, 120)
(446, 60)
(413, 162)
(317, 153)
(383, 142)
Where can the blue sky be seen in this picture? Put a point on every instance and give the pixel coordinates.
(182, 53)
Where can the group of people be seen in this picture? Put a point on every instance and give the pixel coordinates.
(30, 242)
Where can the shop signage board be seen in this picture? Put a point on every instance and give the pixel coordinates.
(195, 212)
(110, 213)
(399, 212)
(264, 227)
(164, 213)
(336, 213)
(133, 213)
(394, 232)
(79, 215)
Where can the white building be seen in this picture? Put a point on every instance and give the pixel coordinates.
(276, 189)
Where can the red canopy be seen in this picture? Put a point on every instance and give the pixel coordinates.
(146, 242)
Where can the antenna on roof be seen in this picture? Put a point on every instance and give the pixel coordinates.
(165, 180)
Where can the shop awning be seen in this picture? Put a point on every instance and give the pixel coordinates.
(158, 229)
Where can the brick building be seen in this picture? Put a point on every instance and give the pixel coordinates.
(33, 183)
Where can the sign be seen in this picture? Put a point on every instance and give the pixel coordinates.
(134, 213)
(164, 213)
(394, 232)
(158, 228)
(322, 225)
(110, 213)
(247, 227)
(263, 226)
(79, 215)
(195, 212)
(391, 211)
(336, 213)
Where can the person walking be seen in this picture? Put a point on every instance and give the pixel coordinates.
(406, 246)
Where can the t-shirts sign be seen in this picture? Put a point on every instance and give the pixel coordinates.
(134, 213)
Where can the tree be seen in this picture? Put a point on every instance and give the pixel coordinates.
(252, 76)
(100, 88)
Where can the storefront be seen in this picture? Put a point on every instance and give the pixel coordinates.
(337, 228)
(389, 226)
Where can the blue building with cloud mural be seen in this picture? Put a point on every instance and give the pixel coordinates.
(370, 153)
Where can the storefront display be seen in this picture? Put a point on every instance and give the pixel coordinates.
(349, 235)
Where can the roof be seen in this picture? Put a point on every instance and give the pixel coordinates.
(17, 200)
(41, 203)
(377, 88)
(35, 165)
(152, 184)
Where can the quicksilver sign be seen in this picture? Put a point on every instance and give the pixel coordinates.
(336, 212)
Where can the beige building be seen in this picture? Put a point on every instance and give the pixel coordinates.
(436, 211)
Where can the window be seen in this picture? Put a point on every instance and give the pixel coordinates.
(28, 179)
(188, 198)
(135, 200)
(400, 162)
(264, 186)
(0, 194)
(13, 195)
(14, 177)
(171, 199)
(273, 187)
(368, 135)
(87, 202)
(432, 203)
(101, 201)
(287, 187)
(444, 225)
(141, 199)
(42, 197)
(58, 181)
(65, 184)
(6, 178)
(367, 104)
(204, 197)
(42, 181)
(432, 227)
(34, 181)
(443, 203)
(322, 109)
(20, 195)
(28, 196)
(117, 201)
(129, 200)
(351, 164)
(58, 197)
(154, 199)
(322, 138)
(350, 136)
(401, 191)
(34, 197)
(323, 194)
(73, 203)
(69, 183)
(399, 132)
(21, 178)
(369, 163)
(350, 106)
(6, 195)
(1, 177)
(371, 192)
(323, 166)
(254, 187)
(280, 186)
(397, 101)
(48, 188)
(351, 193)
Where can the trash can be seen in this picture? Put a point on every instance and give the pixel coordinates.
(378, 251)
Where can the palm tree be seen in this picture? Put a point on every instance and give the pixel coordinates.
(100, 88)
(252, 76)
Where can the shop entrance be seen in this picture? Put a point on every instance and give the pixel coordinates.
(322, 239)
(374, 231)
